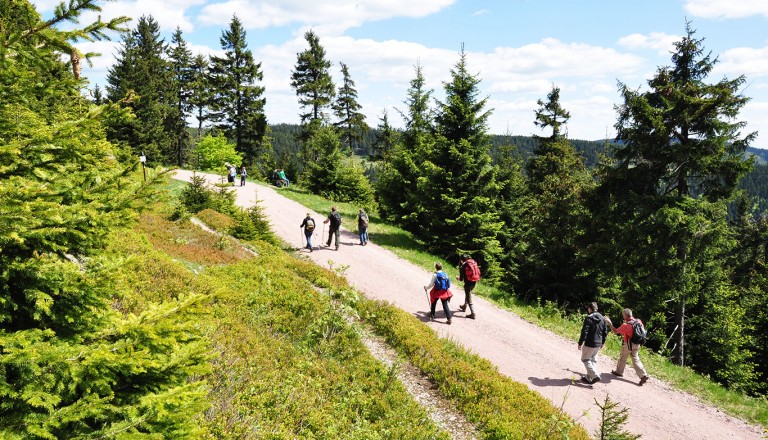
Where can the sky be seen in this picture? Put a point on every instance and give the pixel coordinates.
(518, 49)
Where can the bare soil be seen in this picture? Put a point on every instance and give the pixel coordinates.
(545, 362)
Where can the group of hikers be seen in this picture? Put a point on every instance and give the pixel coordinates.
(593, 333)
(232, 174)
(334, 219)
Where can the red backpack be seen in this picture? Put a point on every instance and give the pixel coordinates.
(471, 271)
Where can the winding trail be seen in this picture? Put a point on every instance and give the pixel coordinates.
(545, 362)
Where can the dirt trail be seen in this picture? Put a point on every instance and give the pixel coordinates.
(546, 362)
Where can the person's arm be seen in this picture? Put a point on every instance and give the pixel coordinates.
(431, 282)
(610, 324)
(584, 332)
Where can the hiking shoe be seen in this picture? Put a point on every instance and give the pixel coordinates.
(471, 316)
(616, 374)
(431, 317)
(643, 380)
(586, 380)
(448, 321)
(596, 379)
(463, 307)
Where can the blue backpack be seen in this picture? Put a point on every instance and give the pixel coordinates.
(442, 282)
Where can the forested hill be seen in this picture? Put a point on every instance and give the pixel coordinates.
(755, 183)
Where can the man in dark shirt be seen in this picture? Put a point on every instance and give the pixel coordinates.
(593, 334)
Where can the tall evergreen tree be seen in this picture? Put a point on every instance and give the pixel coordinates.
(314, 86)
(70, 365)
(386, 139)
(180, 60)
(351, 122)
(140, 80)
(200, 97)
(396, 187)
(237, 103)
(458, 187)
(557, 181)
(680, 156)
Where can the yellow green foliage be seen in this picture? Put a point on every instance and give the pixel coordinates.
(216, 220)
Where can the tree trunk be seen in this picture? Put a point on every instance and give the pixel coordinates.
(678, 355)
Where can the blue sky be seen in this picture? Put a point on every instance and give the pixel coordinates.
(518, 48)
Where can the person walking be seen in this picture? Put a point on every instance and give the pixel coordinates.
(628, 348)
(333, 230)
(243, 175)
(309, 228)
(593, 334)
(439, 287)
(231, 171)
(362, 227)
(469, 273)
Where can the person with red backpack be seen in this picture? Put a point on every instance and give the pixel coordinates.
(439, 287)
(633, 335)
(469, 272)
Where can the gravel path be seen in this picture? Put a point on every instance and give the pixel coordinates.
(545, 362)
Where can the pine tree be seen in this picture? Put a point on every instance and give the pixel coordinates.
(237, 103)
(141, 81)
(458, 188)
(351, 122)
(72, 367)
(201, 92)
(557, 181)
(314, 86)
(680, 157)
(180, 60)
(612, 420)
(386, 139)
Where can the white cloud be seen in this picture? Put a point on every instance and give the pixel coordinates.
(169, 14)
(659, 41)
(743, 61)
(333, 16)
(726, 8)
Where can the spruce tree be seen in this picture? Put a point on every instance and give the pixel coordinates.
(350, 121)
(71, 366)
(458, 187)
(141, 81)
(557, 181)
(314, 86)
(200, 97)
(180, 62)
(662, 202)
(237, 103)
(386, 139)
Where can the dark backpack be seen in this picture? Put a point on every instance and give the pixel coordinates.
(335, 220)
(364, 220)
(471, 271)
(442, 282)
(639, 335)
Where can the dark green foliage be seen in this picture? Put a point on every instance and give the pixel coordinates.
(201, 91)
(236, 101)
(196, 196)
(612, 420)
(351, 122)
(140, 80)
(180, 63)
(386, 138)
(312, 81)
(333, 175)
(70, 365)
(458, 187)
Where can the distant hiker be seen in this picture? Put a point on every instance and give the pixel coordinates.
(362, 226)
(333, 231)
(309, 228)
(469, 272)
(276, 178)
(243, 175)
(439, 288)
(631, 328)
(231, 172)
(281, 174)
(593, 334)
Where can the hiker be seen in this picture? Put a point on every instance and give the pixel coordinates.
(276, 178)
(629, 348)
(593, 334)
(362, 227)
(309, 228)
(335, 220)
(469, 273)
(281, 175)
(439, 288)
(231, 171)
(243, 175)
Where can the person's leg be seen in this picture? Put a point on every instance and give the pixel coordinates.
(432, 309)
(446, 309)
(336, 234)
(308, 234)
(365, 236)
(589, 358)
(330, 237)
(361, 233)
(622, 362)
(637, 364)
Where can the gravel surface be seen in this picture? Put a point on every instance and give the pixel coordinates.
(545, 362)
